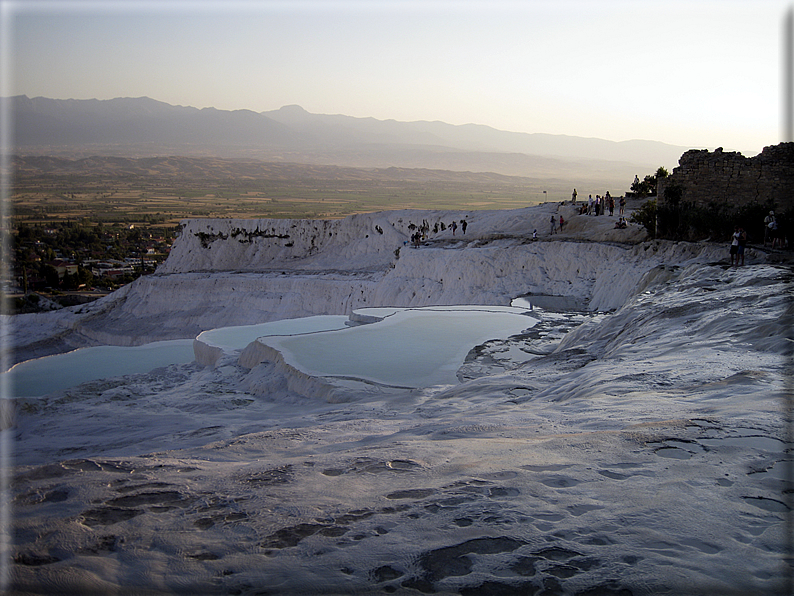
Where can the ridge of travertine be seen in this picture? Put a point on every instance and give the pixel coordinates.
(224, 272)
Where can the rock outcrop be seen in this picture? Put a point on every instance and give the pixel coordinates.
(728, 177)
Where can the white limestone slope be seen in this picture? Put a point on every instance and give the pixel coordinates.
(645, 451)
(224, 272)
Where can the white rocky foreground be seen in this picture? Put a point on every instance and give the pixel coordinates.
(634, 443)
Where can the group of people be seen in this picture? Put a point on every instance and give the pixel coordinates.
(772, 232)
(600, 205)
(463, 225)
(773, 236)
(553, 221)
(422, 231)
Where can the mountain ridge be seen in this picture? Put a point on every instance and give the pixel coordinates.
(145, 126)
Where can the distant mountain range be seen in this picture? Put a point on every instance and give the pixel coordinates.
(137, 127)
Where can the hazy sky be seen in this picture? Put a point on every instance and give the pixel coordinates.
(699, 73)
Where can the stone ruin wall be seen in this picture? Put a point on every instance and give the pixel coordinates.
(720, 177)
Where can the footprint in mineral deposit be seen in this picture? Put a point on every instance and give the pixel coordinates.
(166, 497)
(34, 559)
(366, 465)
(503, 491)
(273, 476)
(560, 481)
(128, 488)
(102, 545)
(414, 493)
(204, 556)
(105, 516)
(504, 475)
(452, 561)
(546, 468)
(557, 553)
(678, 449)
(35, 497)
(767, 504)
(613, 475)
(291, 536)
(578, 510)
(385, 573)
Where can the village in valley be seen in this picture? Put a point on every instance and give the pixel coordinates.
(68, 263)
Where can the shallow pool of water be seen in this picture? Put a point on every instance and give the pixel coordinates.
(408, 348)
(53, 373)
(240, 336)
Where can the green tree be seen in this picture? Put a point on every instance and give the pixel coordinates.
(84, 276)
(647, 186)
(69, 281)
(646, 216)
(50, 275)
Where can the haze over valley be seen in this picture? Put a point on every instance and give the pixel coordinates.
(143, 127)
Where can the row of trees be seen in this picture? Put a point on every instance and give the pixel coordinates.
(83, 277)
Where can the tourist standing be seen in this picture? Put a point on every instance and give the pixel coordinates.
(740, 250)
(621, 205)
(775, 235)
(573, 196)
(590, 205)
(553, 223)
(735, 246)
(769, 222)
